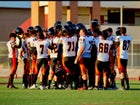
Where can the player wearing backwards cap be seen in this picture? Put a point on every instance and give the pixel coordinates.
(123, 41)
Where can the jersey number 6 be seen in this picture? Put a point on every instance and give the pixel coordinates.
(103, 47)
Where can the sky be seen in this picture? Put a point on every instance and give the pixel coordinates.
(18, 4)
(27, 4)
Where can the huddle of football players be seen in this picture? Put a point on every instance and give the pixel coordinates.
(71, 56)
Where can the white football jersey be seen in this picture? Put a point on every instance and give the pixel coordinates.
(69, 46)
(42, 48)
(19, 49)
(87, 42)
(54, 52)
(31, 41)
(125, 42)
(103, 49)
(10, 50)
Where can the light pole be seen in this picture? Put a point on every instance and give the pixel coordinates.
(121, 15)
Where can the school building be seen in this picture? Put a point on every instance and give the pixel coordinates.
(45, 13)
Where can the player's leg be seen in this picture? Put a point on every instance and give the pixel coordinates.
(105, 74)
(25, 73)
(50, 78)
(121, 72)
(76, 77)
(98, 69)
(51, 72)
(34, 74)
(83, 73)
(126, 78)
(30, 73)
(39, 65)
(66, 63)
(44, 65)
(71, 67)
(90, 66)
(13, 64)
(46, 75)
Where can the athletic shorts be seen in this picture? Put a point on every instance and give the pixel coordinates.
(102, 67)
(43, 62)
(11, 62)
(53, 63)
(87, 62)
(122, 65)
(69, 63)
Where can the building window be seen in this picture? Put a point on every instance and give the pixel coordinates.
(128, 16)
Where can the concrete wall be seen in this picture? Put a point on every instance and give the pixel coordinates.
(10, 18)
(131, 30)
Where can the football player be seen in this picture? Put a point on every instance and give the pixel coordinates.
(102, 63)
(41, 46)
(32, 58)
(68, 54)
(13, 57)
(24, 53)
(112, 72)
(55, 40)
(123, 41)
(84, 55)
(19, 32)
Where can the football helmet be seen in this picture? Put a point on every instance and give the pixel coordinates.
(51, 31)
(38, 29)
(69, 23)
(78, 27)
(118, 31)
(89, 32)
(58, 25)
(94, 23)
(29, 28)
(19, 31)
(68, 30)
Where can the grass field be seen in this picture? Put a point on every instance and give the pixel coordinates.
(68, 97)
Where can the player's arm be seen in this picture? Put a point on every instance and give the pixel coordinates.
(22, 52)
(94, 51)
(111, 57)
(20, 43)
(49, 58)
(51, 46)
(60, 50)
(79, 53)
(117, 42)
(80, 50)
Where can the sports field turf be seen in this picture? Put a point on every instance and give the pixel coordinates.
(68, 97)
